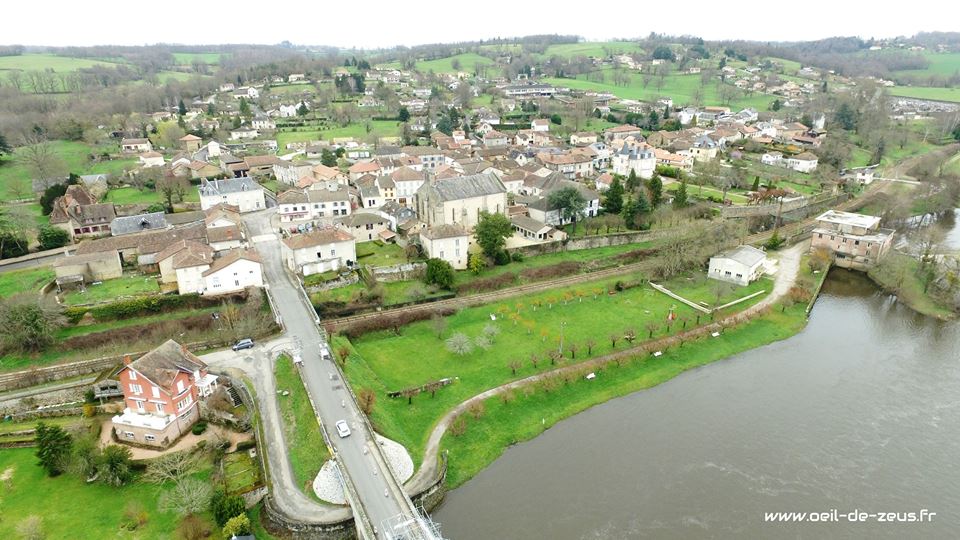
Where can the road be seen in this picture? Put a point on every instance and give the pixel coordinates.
(379, 494)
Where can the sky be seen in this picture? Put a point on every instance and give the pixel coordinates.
(377, 23)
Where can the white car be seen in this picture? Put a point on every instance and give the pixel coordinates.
(342, 429)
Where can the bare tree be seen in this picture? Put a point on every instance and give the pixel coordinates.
(169, 467)
(40, 158)
(188, 496)
(172, 187)
(367, 399)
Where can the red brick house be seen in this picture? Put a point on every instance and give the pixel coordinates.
(161, 391)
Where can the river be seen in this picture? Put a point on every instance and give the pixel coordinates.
(860, 411)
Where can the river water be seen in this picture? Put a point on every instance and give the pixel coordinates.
(860, 411)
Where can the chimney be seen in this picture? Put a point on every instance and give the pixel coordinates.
(127, 359)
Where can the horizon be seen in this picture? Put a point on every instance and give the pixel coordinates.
(496, 19)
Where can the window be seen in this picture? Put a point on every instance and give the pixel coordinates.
(179, 386)
(819, 235)
(333, 252)
(133, 375)
(159, 407)
(149, 438)
(155, 391)
(136, 389)
(139, 406)
(130, 435)
(856, 242)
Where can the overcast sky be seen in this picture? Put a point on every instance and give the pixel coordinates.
(378, 23)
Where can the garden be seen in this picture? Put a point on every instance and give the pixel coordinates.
(301, 431)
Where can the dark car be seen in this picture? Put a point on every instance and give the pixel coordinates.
(243, 344)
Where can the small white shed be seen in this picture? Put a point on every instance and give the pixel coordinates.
(739, 265)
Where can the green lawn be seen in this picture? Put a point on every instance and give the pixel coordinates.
(707, 191)
(132, 195)
(71, 331)
(387, 362)
(71, 508)
(944, 64)
(113, 289)
(24, 281)
(704, 291)
(186, 59)
(505, 424)
(395, 292)
(378, 128)
(241, 472)
(921, 92)
(75, 156)
(379, 254)
(468, 62)
(43, 62)
(682, 88)
(308, 450)
(63, 421)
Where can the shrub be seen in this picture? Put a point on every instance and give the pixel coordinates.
(488, 284)
(225, 507)
(516, 256)
(554, 270)
(635, 255)
(246, 445)
(501, 258)
(238, 525)
(199, 428)
(439, 273)
(51, 237)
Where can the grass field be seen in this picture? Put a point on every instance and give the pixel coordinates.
(592, 48)
(308, 451)
(385, 361)
(241, 472)
(24, 281)
(528, 415)
(185, 59)
(395, 292)
(378, 128)
(75, 156)
(379, 254)
(114, 289)
(707, 191)
(132, 195)
(71, 508)
(43, 62)
(468, 62)
(920, 92)
(682, 88)
(944, 64)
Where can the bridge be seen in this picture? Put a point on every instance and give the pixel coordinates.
(380, 506)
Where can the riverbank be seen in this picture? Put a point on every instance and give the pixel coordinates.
(900, 279)
(521, 415)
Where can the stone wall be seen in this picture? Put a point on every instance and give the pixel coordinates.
(399, 272)
(276, 521)
(587, 242)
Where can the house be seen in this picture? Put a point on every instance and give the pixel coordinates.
(541, 210)
(364, 226)
(740, 265)
(603, 181)
(246, 93)
(493, 139)
(704, 149)
(141, 222)
(460, 200)
(151, 159)
(290, 173)
(99, 266)
(183, 262)
(430, 157)
(296, 77)
(321, 202)
(805, 162)
(130, 146)
(448, 243)
(622, 132)
(263, 122)
(540, 124)
(78, 213)
(361, 168)
(532, 229)
(855, 240)
(223, 228)
(323, 173)
(638, 158)
(161, 393)
(201, 169)
(861, 175)
(242, 192)
(569, 164)
(319, 250)
(670, 159)
(190, 142)
(234, 271)
(142, 247)
(582, 138)
(243, 133)
(406, 182)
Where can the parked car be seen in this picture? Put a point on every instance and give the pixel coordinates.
(325, 352)
(342, 429)
(243, 344)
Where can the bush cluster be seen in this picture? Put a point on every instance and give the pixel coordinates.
(492, 283)
(392, 322)
(554, 270)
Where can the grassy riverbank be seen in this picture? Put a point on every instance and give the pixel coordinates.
(525, 328)
(529, 412)
(308, 451)
(901, 277)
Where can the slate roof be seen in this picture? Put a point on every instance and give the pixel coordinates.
(444, 231)
(745, 255)
(232, 185)
(163, 364)
(137, 223)
(465, 187)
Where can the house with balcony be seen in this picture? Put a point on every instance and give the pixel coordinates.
(856, 240)
(161, 394)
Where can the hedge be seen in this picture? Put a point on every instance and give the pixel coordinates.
(143, 305)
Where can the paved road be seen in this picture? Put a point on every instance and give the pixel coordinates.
(329, 394)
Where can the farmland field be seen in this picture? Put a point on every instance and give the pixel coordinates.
(921, 92)
(940, 64)
(682, 88)
(468, 62)
(42, 62)
(14, 176)
(188, 58)
(379, 128)
(592, 48)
